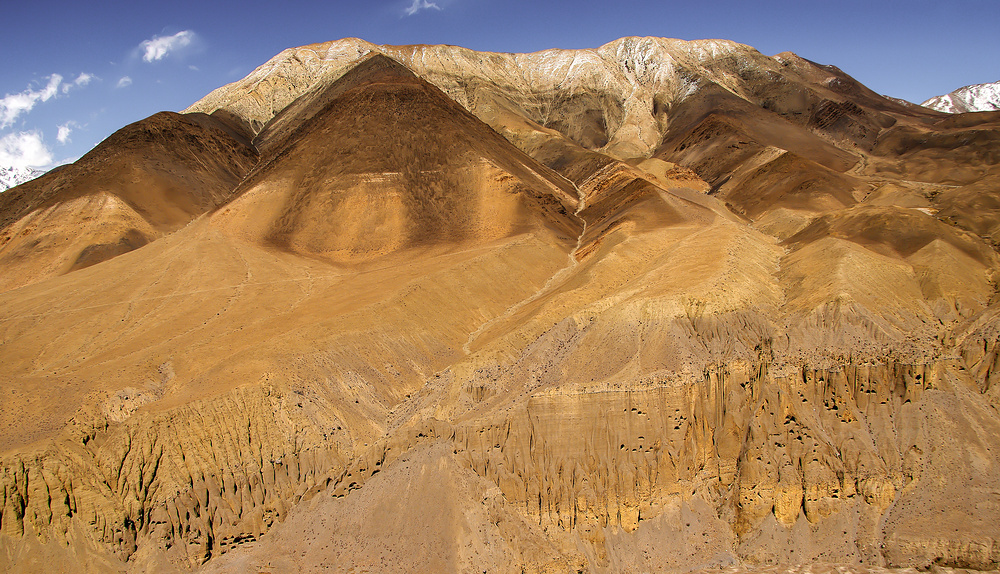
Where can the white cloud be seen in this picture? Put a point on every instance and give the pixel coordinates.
(158, 47)
(24, 149)
(13, 105)
(51, 88)
(124, 82)
(419, 5)
(82, 80)
(63, 131)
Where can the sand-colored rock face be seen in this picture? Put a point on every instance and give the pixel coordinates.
(659, 306)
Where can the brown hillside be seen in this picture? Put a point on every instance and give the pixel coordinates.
(146, 180)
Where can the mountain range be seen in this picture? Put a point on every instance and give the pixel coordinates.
(657, 306)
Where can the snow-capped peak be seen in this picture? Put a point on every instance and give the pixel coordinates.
(12, 176)
(975, 98)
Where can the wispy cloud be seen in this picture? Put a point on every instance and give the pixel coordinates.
(50, 89)
(82, 80)
(13, 105)
(24, 149)
(63, 131)
(159, 47)
(419, 5)
(63, 135)
(124, 82)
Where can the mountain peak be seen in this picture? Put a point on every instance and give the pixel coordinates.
(383, 138)
(376, 68)
(974, 98)
(371, 69)
(11, 176)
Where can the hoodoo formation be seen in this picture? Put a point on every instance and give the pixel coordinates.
(659, 306)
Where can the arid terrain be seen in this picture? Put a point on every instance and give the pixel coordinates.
(660, 306)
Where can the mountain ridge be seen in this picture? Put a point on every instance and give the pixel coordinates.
(629, 73)
(420, 143)
(973, 98)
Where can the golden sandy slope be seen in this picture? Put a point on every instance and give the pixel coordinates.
(660, 306)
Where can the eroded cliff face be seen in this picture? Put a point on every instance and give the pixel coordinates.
(173, 479)
(696, 308)
(854, 463)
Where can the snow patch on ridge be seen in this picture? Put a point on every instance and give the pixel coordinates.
(975, 98)
(14, 176)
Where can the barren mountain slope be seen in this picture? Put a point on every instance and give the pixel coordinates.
(146, 180)
(659, 306)
(384, 161)
(720, 108)
(617, 97)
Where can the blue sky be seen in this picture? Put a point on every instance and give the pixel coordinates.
(72, 73)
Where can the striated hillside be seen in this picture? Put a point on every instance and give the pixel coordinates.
(658, 306)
